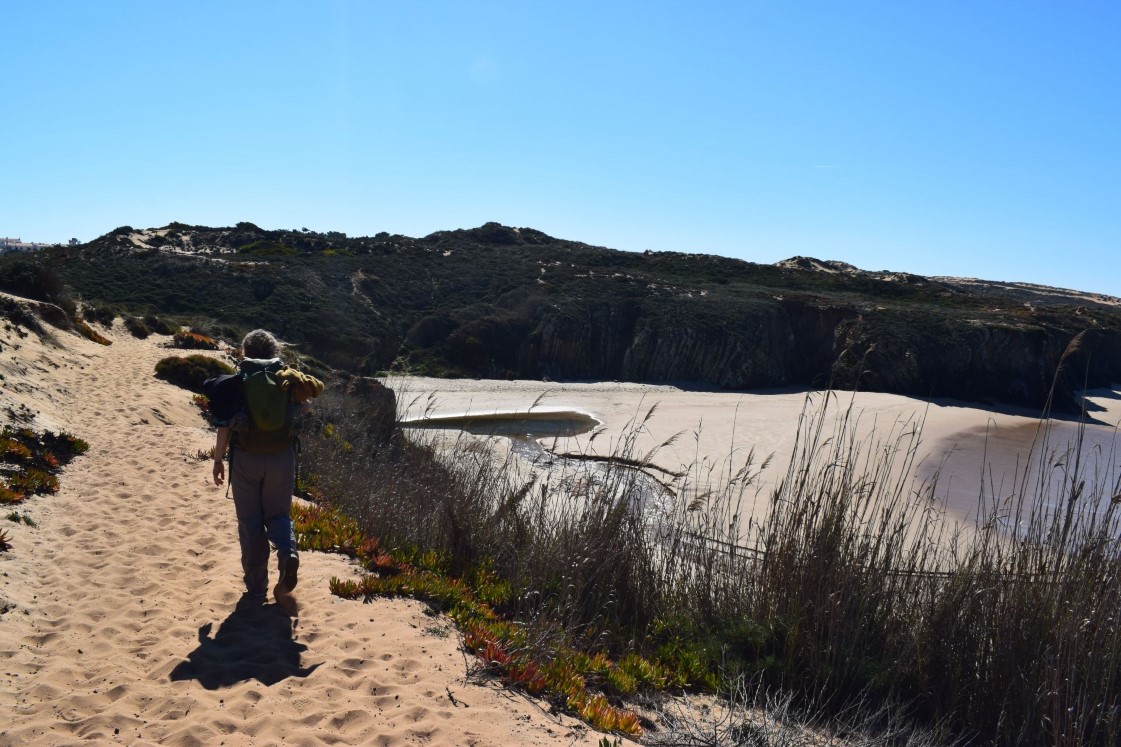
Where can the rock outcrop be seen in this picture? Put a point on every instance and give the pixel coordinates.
(378, 410)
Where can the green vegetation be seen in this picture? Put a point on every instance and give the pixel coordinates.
(34, 460)
(190, 372)
(137, 328)
(141, 327)
(17, 517)
(559, 672)
(852, 595)
(103, 315)
(160, 326)
(38, 281)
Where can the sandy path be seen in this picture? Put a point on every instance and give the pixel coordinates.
(122, 624)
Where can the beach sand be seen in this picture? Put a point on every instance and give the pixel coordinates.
(964, 442)
(121, 621)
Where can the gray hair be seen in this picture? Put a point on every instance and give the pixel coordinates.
(261, 345)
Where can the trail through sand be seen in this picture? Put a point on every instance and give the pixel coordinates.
(122, 624)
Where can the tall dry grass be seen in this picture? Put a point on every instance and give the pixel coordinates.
(1006, 632)
(855, 589)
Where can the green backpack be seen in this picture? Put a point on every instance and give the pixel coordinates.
(267, 404)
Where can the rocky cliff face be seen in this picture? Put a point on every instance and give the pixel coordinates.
(799, 343)
(980, 362)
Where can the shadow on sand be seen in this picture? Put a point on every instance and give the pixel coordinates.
(254, 643)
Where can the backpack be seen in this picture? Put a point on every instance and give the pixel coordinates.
(268, 407)
(224, 398)
(253, 403)
(265, 402)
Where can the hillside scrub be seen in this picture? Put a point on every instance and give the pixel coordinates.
(137, 328)
(103, 315)
(501, 302)
(37, 281)
(853, 592)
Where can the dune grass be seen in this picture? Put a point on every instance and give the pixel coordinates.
(853, 593)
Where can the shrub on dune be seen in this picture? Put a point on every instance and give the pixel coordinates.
(34, 460)
(160, 326)
(136, 327)
(191, 371)
(190, 340)
(88, 332)
(103, 315)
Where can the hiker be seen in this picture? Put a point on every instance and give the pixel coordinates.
(259, 407)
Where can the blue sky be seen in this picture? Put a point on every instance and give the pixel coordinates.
(942, 138)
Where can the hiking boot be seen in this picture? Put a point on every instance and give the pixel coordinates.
(288, 573)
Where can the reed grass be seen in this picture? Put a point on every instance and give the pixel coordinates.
(854, 594)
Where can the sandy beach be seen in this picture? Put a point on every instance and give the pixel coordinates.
(964, 442)
(120, 622)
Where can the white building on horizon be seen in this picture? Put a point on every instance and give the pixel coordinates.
(8, 244)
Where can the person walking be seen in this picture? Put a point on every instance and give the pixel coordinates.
(260, 438)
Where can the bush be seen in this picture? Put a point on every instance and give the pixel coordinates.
(160, 326)
(33, 280)
(193, 341)
(136, 327)
(103, 315)
(190, 372)
(268, 249)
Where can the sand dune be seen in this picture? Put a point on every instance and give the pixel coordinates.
(122, 623)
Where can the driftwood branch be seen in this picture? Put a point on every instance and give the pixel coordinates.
(635, 463)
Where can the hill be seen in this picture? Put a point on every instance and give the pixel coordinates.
(501, 302)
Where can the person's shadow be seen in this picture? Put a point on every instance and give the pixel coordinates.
(254, 643)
